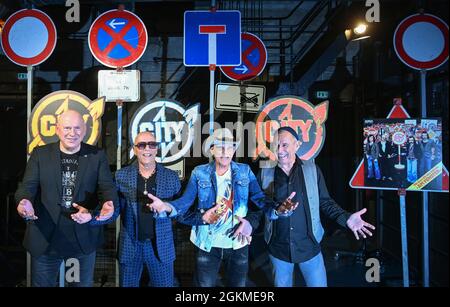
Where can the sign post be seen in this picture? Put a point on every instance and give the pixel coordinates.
(431, 52)
(29, 38)
(212, 38)
(254, 60)
(404, 236)
(358, 181)
(399, 138)
(117, 39)
(29, 103)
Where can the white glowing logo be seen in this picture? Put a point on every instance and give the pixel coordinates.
(162, 117)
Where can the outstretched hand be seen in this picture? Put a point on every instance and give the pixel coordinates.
(82, 216)
(158, 205)
(358, 225)
(106, 212)
(26, 210)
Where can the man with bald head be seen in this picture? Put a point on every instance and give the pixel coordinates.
(145, 237)
(293, 230)
(60, 196)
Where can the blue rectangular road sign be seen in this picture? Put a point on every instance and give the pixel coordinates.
(212, 38)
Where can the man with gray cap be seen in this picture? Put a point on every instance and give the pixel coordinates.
(221, 222)
(293, 235)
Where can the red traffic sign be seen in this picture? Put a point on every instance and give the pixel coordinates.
(254, 59)
(28, 37)
(399, 138)
(117, 38)
(421, 41)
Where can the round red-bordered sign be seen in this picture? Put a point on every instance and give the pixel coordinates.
(421, 41)
(117, 38)
(254, 59)
(28, 37)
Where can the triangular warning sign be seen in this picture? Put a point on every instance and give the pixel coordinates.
(357, 180)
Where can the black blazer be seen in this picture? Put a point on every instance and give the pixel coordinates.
(42, 186)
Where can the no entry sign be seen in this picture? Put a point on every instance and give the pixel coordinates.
(28, 37)
(421, 41)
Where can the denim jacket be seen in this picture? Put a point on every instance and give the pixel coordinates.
(203, 187)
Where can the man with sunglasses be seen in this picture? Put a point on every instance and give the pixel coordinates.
(145, 239)
(221, 221)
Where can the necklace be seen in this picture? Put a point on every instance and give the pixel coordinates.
(146, 179)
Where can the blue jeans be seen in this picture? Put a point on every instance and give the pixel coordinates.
(236, 266)
(313, 271)
(45, 269)
(411, 170)
(372, 164)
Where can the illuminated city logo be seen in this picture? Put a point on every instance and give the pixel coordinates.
(308, 120)
(172, 125)
(42, 124)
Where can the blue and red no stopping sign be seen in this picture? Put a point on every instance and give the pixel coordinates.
(117, 38)
(254, 59)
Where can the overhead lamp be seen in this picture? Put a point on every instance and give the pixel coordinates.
(357, 33)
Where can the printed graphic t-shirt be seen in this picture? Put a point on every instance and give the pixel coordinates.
(64, 240)
(222, 230)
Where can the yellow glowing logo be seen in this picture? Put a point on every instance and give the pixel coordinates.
(42, 124)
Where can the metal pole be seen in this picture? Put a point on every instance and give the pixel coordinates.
(212, 59)
(119, 136)
(239, 126)
(404, 235)
(425, 247)
(212, 69)
(29, 103)
(118, 167)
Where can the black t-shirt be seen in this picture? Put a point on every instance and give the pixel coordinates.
(64, 239)
(69, 170)
(146, 223)
(291, 240)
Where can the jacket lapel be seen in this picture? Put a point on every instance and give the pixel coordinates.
(133, 187)
(234, 175)
(83, 160)
(56, 168)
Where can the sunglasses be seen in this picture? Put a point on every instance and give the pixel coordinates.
(151, 145)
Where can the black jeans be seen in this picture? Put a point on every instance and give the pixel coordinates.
(235, 261)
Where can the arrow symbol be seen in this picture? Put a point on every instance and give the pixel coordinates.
(244, 69)
(113, 23)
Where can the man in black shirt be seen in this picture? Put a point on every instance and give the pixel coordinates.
(294, 235)
(58, 198)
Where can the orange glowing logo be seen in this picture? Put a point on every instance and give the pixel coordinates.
(308, 120)
(42, 123)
